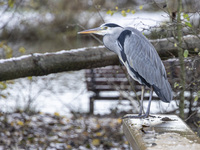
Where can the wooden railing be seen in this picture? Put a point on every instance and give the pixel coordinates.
(160, 132)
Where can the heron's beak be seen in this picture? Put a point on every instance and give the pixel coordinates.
(95, 30)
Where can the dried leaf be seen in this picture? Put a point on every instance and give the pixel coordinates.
(20, 123)
(196, 49)
(69, 147)
(57, 114)
(98, 126)
(119, 120)
(126, 142)
(1, 44)
(3, 85)
(99, 134)
(96, 142)
(3, 96)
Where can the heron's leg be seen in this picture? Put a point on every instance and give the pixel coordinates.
(148, 108)
(141, 101)
(149, 104)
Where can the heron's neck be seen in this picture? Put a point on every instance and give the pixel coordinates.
(110, 41)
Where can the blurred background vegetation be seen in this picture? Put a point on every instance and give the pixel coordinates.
(30, 26)
(49, 25)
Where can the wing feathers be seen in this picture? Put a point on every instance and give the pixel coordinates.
(144, 60)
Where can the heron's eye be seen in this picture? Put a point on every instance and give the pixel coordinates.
(104, 28)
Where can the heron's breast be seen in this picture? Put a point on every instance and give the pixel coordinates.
(132, 74)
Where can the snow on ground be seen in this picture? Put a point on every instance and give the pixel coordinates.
(61, 93)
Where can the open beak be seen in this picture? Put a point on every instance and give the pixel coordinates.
(95, 30)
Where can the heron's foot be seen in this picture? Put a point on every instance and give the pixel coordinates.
(140, 116)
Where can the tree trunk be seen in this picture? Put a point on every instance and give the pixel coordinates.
(181, 59)
(43, 64)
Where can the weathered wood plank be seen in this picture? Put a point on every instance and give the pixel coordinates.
(160, 132)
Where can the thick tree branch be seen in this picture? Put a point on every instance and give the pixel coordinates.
(43, 64)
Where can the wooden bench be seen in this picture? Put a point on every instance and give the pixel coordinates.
(115, 79)
(111, 79)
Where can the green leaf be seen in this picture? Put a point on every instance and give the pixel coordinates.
(29, 78)
(176, 84)
(128, 10)
(11, 3)
(185, 54)
(196, 98)
(22, 50)
(123, 12)
(188, 24)
(133, 11)
(198, 93)
(186, 16)
(110, 12)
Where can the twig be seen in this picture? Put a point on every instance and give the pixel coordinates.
(98, 11)
(190, 116)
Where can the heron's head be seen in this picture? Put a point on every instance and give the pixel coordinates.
(104, 29)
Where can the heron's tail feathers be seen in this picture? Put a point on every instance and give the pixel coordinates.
(164, 91)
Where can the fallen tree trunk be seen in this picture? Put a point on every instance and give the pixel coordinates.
(84, 58)
(43, 64)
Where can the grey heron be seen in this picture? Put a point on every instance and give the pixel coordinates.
(139, 57)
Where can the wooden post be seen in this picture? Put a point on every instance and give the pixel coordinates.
(160, 132)
(91, 106)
